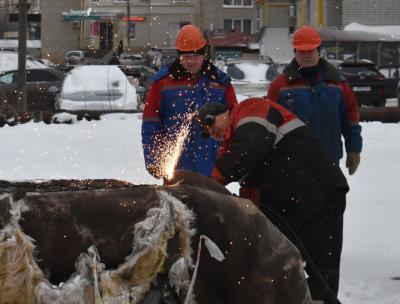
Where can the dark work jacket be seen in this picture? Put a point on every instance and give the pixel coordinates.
(270, 149)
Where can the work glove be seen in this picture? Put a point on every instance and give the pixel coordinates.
(250, 194)
(352, 161)
(216, 175)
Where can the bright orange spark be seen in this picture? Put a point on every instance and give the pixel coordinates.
(173, 149)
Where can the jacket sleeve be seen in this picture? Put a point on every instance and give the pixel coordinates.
(274, 88)
(230, 96)
(351, 128)
(151, 129)
(249, 147)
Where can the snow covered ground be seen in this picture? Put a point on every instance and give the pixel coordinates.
(110, 148)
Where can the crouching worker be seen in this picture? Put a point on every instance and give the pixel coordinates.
(268, 149)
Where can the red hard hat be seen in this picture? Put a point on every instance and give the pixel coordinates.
(306, 38)
(190, 39)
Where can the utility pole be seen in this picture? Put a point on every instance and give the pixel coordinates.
(128, 20)
(22, 33)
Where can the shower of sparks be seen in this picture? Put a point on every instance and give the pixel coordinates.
(168, 149)
(172, 149)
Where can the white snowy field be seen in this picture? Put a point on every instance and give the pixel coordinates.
(111, 148)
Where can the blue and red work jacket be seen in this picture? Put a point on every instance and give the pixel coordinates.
(171, 97)
(329, 108)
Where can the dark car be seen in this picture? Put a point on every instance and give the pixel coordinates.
(80, 57)
(142, 76)
(367, 83)
(392, 74)
(42, 86)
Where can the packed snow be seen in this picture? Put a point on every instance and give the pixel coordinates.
(111, 148)
(390, 30)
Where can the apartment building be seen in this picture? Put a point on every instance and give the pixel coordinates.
(229, 15)
(151, 23)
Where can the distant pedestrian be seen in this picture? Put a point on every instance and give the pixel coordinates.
(113, 60)
(120, 47)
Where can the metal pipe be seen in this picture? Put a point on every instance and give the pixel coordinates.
(22, 35)
(320, 12)
(128, 20)
(382, 114)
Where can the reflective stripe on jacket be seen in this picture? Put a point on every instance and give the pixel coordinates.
(269, 148)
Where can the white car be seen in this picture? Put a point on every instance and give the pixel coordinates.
(251, 77)
(97, 88)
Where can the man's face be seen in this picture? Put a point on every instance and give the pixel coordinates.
(218, 129)
(192, 62)
(307, 59)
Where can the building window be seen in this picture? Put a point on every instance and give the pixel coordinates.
(238, 3)
(94, 1)
(238, 25)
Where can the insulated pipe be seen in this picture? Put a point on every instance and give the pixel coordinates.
(383, 114)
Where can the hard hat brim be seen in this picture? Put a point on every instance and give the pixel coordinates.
(307, 47)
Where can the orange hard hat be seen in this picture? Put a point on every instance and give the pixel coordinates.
(306, 38)
(190, 39)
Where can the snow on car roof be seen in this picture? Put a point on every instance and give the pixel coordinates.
(9, 62)
(94, 77)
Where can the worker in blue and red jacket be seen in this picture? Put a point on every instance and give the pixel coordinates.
(317, 93)
(266, 147)
(178, 89)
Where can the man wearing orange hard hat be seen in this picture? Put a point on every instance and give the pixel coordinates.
(179, 89)
(317, 93)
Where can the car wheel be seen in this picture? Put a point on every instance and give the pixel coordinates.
(380, 103)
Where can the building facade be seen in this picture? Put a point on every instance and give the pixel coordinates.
(228, 15)
(151, 23)
(59, 36)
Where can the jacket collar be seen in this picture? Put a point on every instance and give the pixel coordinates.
(177, 71)
(329, 72)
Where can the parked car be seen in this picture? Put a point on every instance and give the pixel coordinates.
(398, 94)
(97, 89)
(157, 57)
(42, 86)
(251, 77)
(392, 74)
(80, 57)
(129, 58)
(367, 83)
